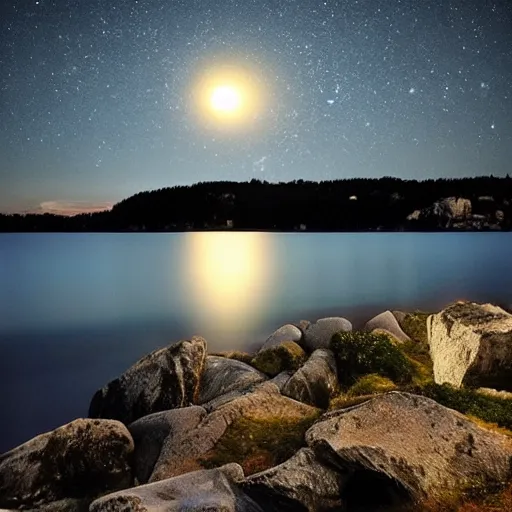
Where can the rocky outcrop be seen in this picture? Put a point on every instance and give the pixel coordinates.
(287, 332)
(222, 376)
(77, 461)
(165, 379)
(238, 430)
(287, 356)
(443, 213)
(415, 448)
(300, 483)
(457, 214)
(319, 334)
(206, 490)
(471, 344)
(150, 432)
(316, 382)
(386, 321)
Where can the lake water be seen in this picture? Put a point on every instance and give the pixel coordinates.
(78, 309)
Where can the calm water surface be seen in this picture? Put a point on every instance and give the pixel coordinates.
(77, 309)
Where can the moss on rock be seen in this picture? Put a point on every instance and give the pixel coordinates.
(362, 353)
(237, 355)
(258, 444)
(287, 356)
(370, 384)
(415, 326)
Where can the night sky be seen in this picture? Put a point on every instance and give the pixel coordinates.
(99, 99)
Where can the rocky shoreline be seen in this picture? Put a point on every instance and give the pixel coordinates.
(410, 413)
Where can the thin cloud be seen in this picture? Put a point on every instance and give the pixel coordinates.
(70, 208)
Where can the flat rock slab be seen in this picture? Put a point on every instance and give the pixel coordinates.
(150, 432)
(471, 344)
(82, 459)
(286, 332)
(188, 453)
(388, 322)
(423, 448)
(319, 334)
(316, 382)
(165, 379)
(300, 483)
(206, 490)
(222, 376)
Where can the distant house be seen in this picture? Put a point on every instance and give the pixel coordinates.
(229, 224)
(302, 227)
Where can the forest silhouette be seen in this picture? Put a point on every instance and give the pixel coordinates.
(359, 204)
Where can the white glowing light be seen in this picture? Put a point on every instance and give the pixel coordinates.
(225, 98)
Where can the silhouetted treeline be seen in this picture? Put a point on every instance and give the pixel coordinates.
(341, 205)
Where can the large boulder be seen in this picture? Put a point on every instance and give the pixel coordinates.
(222, 376)
(472, 344)
(165, 379)
(387, 322)
(316, 382)
(286, 332)
(78, 461)
(258, 430)
(287, 356)
(206, 490)
(319, 334)
(412, 448)
(300, 483)
(150, 432)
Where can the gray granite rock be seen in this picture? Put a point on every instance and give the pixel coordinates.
(165, 379)
(150, 433)
(300, 483)
(316, 382)
(287, 332)
(471, 344)
(213, 490)
(80, 460)
(222, 376)
(319, 334)
(421, 448)
(281, 379)
(388, 322)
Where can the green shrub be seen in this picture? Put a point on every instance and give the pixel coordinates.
(467, 401)
(273, 360)
(371, 384)
(361, 353)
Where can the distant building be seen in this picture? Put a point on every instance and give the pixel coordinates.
(229, 224)
(302, 227)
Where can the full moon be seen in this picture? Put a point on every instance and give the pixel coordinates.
(229, 97)
(225, 98)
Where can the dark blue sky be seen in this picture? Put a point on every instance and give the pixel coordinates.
(96, 97)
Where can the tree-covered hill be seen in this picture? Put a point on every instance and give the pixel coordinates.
(342, 205)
